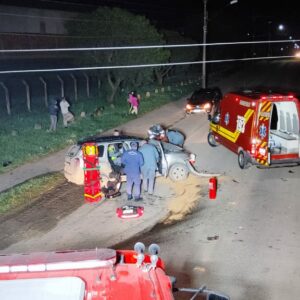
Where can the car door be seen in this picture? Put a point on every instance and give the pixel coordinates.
(162, 164)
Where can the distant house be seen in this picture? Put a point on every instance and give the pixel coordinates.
(23, 27)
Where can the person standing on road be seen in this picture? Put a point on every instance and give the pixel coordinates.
(134, 103)
(53, 111)
(67, 115)
(133, 161)
(151, 159)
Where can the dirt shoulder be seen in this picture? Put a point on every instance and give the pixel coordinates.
(61, 220)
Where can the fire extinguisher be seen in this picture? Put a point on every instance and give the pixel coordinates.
(213, 188)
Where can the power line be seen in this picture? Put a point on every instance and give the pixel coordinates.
(144, 47)
(143, 65)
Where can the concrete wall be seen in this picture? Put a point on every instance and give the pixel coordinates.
(33, 20)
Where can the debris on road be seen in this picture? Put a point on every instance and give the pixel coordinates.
(187, 195)
(212, 238)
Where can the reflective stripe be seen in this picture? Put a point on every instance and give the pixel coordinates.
(68, 265)
(93, 197)
(229, 135)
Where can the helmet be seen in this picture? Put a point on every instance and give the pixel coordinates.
(134, 145)
(111, 148)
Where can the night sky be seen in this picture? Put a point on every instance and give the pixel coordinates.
(255, 19)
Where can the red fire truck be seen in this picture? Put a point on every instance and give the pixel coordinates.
(90, 275)
(261, 127)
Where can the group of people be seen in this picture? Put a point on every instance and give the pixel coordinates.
(62, 105)
(140, 161)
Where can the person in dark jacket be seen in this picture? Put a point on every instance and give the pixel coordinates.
(132, 161)
(53, 111)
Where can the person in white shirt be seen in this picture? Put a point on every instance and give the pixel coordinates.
(67, 116)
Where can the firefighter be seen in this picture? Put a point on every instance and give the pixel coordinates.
(114, 156)
(133, 161)
(151, 158)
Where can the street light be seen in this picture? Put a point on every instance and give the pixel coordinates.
(205, 18)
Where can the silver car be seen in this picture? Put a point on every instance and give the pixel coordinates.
(174, 162)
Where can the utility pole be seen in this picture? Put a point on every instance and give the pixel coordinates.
(204, 44)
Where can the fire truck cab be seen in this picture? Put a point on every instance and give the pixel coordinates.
(262, 128)
(83, 275)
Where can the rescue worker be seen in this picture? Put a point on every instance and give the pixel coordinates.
(175, 137)
(133, 161)
(155, 132)
(115, 157)
(151, 159)
(113, 185)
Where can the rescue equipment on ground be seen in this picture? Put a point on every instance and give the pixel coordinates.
(129, 211)
(261, 127)
(213, 188)
(92, 187)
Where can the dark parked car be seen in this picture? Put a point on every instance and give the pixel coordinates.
(204, 100)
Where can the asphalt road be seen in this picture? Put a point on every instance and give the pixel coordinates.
(246, 243)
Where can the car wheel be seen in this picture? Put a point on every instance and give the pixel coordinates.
(178, 172)
(242, 160)
(211, 140)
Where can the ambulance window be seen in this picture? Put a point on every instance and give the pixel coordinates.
(274, 118)
(100, 150)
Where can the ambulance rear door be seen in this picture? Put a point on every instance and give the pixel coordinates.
(263, 130)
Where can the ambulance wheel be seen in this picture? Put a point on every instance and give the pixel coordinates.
(242, 159)
(211, 140)
(178, 172)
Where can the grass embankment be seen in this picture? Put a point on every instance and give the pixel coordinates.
(24, 194)
(20, 142)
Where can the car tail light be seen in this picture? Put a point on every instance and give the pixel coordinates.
(254, 144)
(192, 159)
(253, 148)
(188, 106)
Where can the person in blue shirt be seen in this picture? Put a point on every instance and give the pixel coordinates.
(133, 161)
(151, 159)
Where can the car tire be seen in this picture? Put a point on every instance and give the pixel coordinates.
(242, 159)
(211, 140)
(178, 172)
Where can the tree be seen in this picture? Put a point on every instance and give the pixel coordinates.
(111, 27)
(180, 54)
